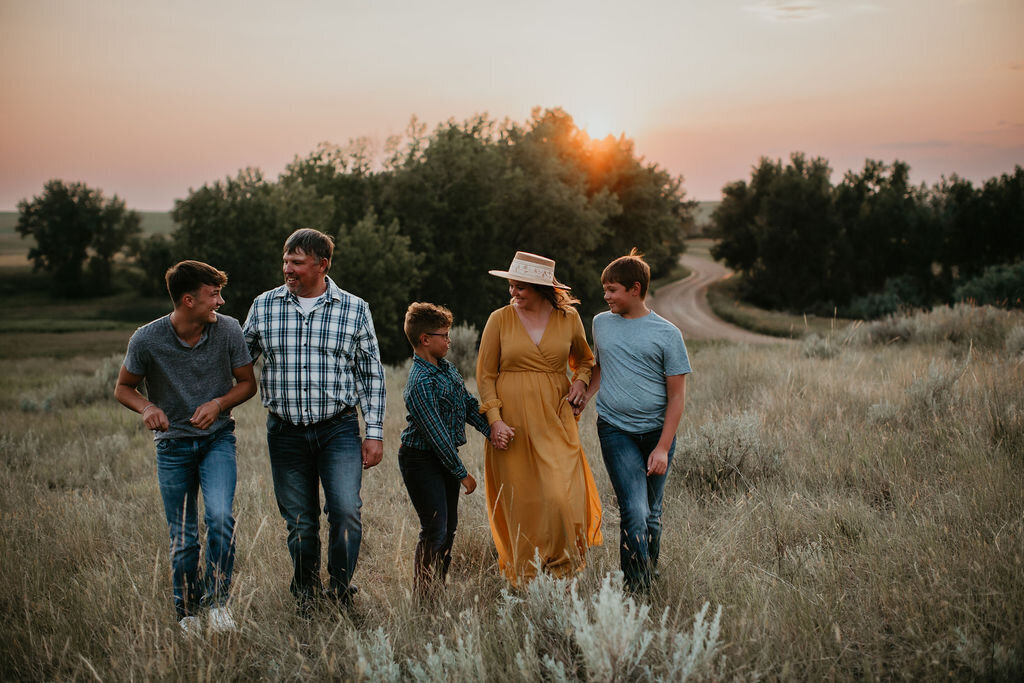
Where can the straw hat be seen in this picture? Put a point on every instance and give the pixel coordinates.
(527, 267)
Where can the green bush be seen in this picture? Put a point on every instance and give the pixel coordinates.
(1001, 285)
(899, 294)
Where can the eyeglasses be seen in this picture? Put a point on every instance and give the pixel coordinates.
(446, 335)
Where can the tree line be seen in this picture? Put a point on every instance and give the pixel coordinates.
(873, 243)
(429, 219)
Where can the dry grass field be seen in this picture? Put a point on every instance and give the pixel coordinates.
(849, 508)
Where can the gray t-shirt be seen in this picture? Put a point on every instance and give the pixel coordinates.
(636, 355)
(180, 378)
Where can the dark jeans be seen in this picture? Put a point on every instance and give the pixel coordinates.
(301, 459)
(184, 466)
(639, 497)
(435, 495)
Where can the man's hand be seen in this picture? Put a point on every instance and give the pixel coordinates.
(657, 462)
(373, 452)
(469, 483)
(205, 415)
(154, 418)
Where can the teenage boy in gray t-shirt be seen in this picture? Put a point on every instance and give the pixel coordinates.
(196, 367)
(640, 381)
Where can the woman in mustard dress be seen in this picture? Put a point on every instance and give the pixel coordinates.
(541, 496)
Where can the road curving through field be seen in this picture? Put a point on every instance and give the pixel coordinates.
(685, 304)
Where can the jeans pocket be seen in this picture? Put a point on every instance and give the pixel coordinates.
(274, 424)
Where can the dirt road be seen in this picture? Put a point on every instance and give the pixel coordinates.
(685, 303)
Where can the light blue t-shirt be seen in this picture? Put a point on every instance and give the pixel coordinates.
(636, 355)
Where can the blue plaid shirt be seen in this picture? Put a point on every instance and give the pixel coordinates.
(439, 408)
(316, 365)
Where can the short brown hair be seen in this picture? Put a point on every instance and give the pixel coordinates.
(628, 269)
(188, 276)
(311, 242)
(422, 317)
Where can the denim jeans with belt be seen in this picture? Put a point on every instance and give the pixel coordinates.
(302, 457)
(625, 456)
(434, 492)
(184, 467)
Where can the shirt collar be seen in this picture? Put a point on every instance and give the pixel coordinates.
(442, 363)
(332, 293)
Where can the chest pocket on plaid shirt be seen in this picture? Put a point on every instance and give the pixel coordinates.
(446, 406)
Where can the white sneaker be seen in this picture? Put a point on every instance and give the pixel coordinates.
(221, 621)
(191, 626)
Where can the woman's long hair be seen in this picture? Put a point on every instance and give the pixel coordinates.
(561, 299)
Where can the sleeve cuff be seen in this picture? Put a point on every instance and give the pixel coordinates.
(492, 409)
(375, 432)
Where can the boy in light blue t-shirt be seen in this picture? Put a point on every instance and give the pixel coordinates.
(641, 368)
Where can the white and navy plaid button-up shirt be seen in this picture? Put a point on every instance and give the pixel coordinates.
(318, 364)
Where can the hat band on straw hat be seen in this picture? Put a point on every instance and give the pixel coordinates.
(531, 268)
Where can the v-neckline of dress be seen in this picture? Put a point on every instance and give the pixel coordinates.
(543, 333)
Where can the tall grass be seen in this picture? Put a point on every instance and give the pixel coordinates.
(854, 516)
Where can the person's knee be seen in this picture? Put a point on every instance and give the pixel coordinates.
(634, 514)
(220, 519)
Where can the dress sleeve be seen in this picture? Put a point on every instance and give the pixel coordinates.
(581, 358)
(487, 368)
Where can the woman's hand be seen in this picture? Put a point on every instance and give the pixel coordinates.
(501, 435)
(577, 396)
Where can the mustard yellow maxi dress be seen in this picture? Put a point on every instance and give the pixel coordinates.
(541, 495)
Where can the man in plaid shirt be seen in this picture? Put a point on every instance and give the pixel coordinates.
(320, 358)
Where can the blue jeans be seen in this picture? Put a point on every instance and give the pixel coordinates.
(184, 466)
(302, 457)
(639, 497)
(434, 492)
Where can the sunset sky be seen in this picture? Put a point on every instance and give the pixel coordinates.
(147, 99)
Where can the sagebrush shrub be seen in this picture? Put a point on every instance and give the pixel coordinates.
(962, 324)
(461, 660)
(1014, 343)
(76, 390)
(933, 393)
(375, 657)
(882, 413)
(607, 637)
(817, 346)
(462, 352)
(726, 454)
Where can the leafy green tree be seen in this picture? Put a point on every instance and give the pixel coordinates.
(998, 285)
(446, 194)
(780, 232)
(342, 175)
(71, 223)
(888, 230)
(981, 227)
(154, 255)
(376, 263)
